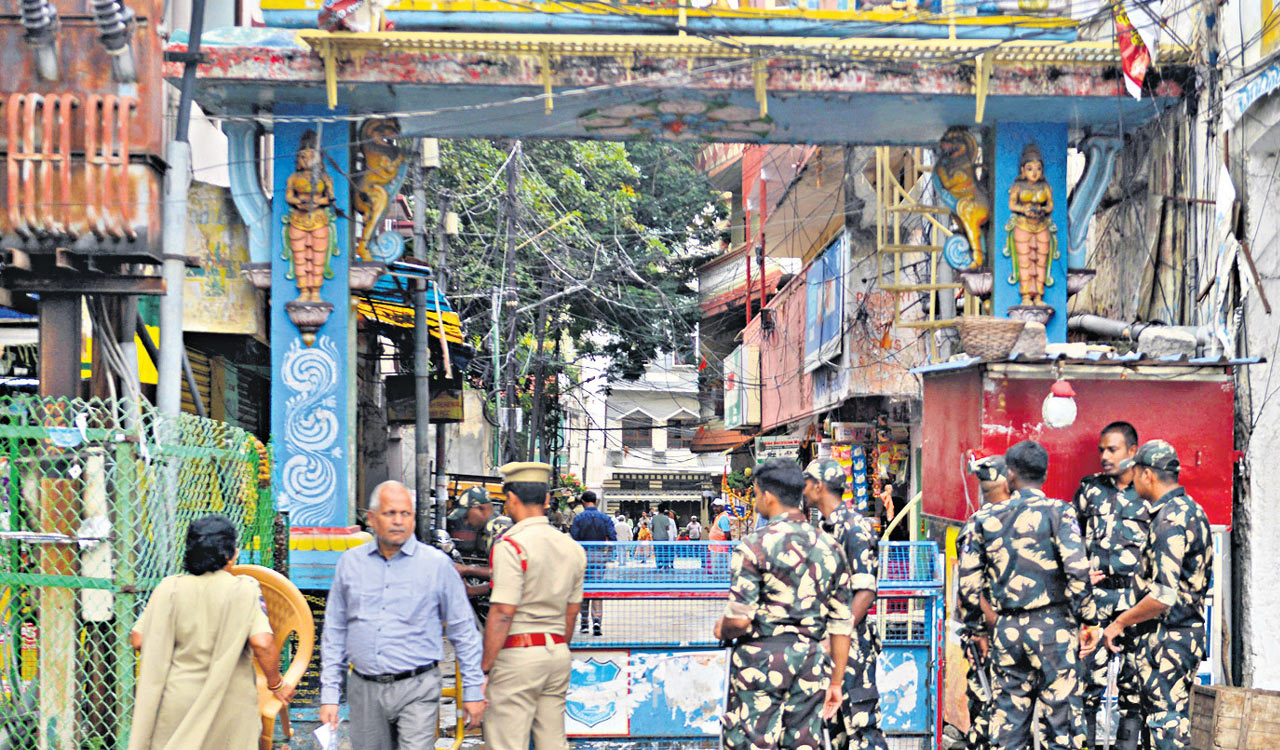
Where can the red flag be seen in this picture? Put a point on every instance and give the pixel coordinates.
(702, 365)
(1135, 58)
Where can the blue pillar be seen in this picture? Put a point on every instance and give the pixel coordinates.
(310, 395)
(1012, 138)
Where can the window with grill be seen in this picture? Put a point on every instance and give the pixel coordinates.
(680, 434)
(637, 432)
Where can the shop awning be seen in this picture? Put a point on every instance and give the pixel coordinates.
(713, 441)
(401, 316)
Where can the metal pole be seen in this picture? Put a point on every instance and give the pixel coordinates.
(442, 286)
(59, 337)
(511, 447)
(421, 360)
(177, 181)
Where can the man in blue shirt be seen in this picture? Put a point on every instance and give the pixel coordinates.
(388, 605)
(593, 526)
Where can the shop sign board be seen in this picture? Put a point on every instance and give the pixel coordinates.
(824, 305)
(778, 447)
(742, 387)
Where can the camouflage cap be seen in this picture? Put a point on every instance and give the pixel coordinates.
(1154, 453)
(828, 471)
(474, 498)
(988, 468)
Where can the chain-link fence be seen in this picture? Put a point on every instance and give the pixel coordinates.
(95, 499)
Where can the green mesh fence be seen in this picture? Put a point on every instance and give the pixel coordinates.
(95, 499)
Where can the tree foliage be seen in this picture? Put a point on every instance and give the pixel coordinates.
(610, 234)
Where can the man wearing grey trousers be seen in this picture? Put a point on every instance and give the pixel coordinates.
(389, 603)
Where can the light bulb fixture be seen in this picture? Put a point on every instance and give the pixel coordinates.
(1059, 408)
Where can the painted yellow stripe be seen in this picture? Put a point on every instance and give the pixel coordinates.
(877, 15)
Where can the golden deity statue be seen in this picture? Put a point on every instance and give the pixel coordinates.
(1032, 235)
(310, 239)
(380, 178)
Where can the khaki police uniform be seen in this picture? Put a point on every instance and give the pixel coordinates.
(539, 570)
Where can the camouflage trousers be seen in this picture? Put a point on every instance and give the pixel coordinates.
(776, 689)
(1128, 684)
(857, 726)
(1167, 660)
(979, 734)
(1035, 658)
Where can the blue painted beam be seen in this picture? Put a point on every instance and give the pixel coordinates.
(599, 23)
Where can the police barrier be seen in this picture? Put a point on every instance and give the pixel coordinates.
(654, 672)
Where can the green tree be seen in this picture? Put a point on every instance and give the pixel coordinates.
(609, 238)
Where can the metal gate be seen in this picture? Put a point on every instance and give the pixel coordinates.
(95, 499)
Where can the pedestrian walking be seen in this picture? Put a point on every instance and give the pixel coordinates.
(664, 533)
(389, 605)
(857, 725)
(1168, 597)
(622, 529)
(789, 590)
(593, 526)
(1028, 555)
(1114, 525)
(195, 681)
(537, 594)
(695, 529)
(994, 485)
(476, 508)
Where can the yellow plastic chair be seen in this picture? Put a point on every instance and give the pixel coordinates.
(289, 614)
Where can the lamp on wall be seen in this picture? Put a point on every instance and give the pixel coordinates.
(1059, 408)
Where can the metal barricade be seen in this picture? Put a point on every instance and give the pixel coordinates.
(655, 675)
(909, 617)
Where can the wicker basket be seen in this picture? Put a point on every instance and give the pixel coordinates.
(986, 337)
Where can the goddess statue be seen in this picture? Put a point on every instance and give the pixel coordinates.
(309, 239)
(1032, 235)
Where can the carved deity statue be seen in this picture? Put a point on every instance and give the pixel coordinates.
(383, 167)
(957, 176)
(310, 238)
(1032, 235)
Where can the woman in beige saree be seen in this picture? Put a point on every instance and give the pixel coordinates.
(195, 683)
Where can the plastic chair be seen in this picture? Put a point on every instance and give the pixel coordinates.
(289, 614)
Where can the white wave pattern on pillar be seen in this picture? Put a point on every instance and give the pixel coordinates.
(311, 431)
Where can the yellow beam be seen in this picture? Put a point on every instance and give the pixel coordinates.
(615, 45)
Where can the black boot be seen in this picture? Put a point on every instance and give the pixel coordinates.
(1091, 729)
(1129, 733)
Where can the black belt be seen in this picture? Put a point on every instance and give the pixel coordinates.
(1029, 610)
(386, 679)
(1115, 582)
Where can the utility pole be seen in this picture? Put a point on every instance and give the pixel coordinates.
(447, 225)
(177, 183)
(538, 417)
(511, 449)
(421, 356)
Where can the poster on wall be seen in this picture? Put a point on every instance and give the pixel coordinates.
(824, 305)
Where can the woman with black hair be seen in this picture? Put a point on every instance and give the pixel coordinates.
(195, 682)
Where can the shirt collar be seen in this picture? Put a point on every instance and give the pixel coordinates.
(408, 548)
(1166, 497)
(532, 521)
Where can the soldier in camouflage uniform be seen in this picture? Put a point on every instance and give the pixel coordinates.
(857, 725)
(1027, 554)
(994, 484)
(1113, 523)
(789, 589)
(477, 508)
(1167, 601)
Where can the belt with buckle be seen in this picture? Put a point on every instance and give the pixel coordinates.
(386, 679)
(524, 640)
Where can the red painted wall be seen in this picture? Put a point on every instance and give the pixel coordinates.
(964, 410)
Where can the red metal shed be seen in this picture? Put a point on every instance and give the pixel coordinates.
(989, 406)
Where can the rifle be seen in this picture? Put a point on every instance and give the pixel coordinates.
(976, 663)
